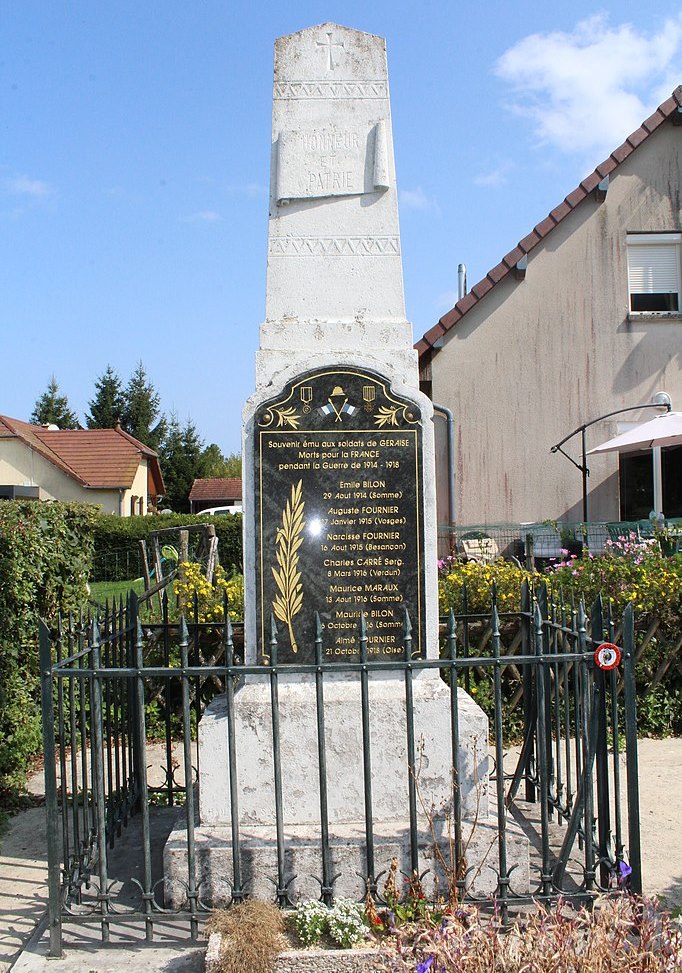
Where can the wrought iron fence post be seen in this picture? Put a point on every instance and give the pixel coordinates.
(590, 717)
(411, 751)
(98, 777)
(602, 762)
(282, 891)
(541, 740)
(51, 806)
(529, 716)
(141, 762)
(503, 879)
(189, 782)
(631, 756)
(458, 863)
(238, 893)
(367, 758)
(327, 884)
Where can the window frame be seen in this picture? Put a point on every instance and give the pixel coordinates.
(669, 273)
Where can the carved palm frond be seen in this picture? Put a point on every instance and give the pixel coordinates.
(289, 600)
(387, 416)
(287, 417)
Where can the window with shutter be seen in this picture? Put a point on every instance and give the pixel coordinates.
(654, 272)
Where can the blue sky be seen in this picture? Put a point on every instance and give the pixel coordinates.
(134, 156)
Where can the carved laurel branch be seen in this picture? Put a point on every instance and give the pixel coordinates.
(287, 577)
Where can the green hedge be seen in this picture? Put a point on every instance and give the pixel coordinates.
(629, 572)
(45, 559)
(117, 541)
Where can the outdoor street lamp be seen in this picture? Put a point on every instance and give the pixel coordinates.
(661, 400)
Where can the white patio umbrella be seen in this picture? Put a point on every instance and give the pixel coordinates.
(663, 430)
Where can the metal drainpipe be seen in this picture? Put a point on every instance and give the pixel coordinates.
(120, 501)
(451, 459)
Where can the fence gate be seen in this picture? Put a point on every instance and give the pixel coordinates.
(116, 693)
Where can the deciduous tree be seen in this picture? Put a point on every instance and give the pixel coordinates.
(219, 465)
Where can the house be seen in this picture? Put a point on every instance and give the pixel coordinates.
(582, 318)
(99, 466)
(216, 491)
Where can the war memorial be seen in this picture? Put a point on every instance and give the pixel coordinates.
(339, 528)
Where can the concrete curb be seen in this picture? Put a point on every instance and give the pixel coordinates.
(305, 960)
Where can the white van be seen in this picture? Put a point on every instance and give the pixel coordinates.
(219, 511)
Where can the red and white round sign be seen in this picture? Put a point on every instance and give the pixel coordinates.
(607, 656)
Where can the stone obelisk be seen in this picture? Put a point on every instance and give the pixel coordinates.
(335, 301)
(339, 503)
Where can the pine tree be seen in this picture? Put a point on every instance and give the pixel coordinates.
(216, 464)
(52, 408)
(108, 405)
(141, 410)
(181, 456)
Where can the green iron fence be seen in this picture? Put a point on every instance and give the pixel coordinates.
(99, 676)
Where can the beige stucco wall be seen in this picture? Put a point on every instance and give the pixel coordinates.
(536, 358)
(22, 466)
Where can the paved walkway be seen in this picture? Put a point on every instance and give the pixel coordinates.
(23, 889)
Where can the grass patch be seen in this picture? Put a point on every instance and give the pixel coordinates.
(102, 591)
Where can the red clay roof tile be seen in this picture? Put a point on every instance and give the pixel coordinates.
(97, 458)
(482, 287)
(577, 196)
(606, 167)
(434, 333)
(217, 488)
(590, 182)
(544, 226)
(653, 121)
(512, 258)
(450, 318)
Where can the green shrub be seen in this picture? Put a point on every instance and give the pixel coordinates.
(45, 560)
(630, 571)
(117, 541)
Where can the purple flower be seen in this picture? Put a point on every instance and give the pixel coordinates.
(624, 872)
(425, 965)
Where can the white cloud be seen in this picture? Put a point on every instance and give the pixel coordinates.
(25, 186)
(494, 178)
(204, 216)
(588, 89)
(249, 189)
(417, 199)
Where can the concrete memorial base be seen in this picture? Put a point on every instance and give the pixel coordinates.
(303, 862)
(344, 751)
(344, 756)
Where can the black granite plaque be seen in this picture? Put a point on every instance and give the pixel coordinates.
(339, 516)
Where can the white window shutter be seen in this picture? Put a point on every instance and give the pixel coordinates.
(654, 268)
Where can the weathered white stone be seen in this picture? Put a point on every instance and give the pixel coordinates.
(334, 239)
(344, 752)
(303, 862)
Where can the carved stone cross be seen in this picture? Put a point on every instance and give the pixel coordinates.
(330, 45)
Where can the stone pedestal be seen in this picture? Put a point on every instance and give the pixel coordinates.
(344, 753)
